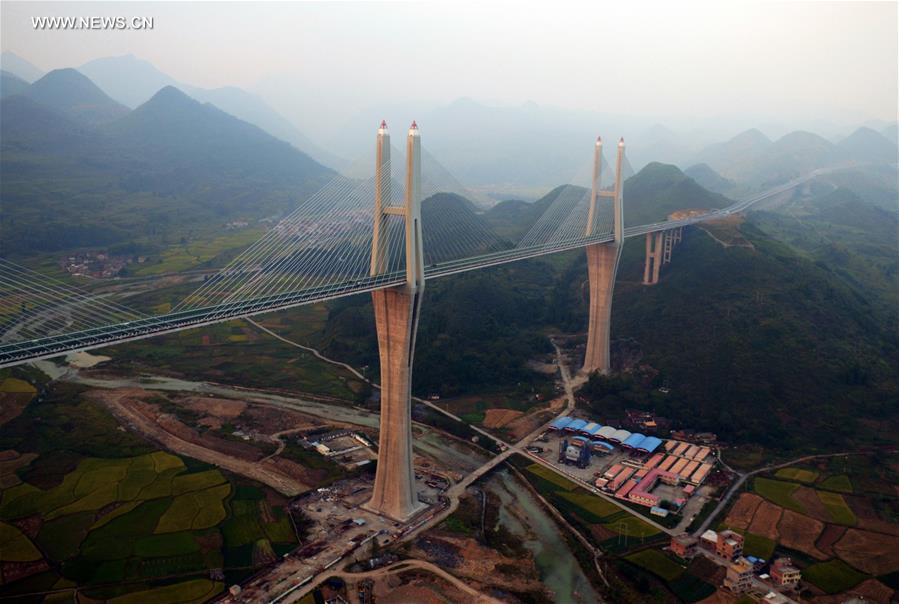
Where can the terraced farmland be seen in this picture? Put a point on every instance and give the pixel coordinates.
(134, 519)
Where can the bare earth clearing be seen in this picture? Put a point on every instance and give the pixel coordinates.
(871, 590)
(873, 553)
(497, 418)
(741, 514)
(766, 520)
(800, 532)
(127, 405)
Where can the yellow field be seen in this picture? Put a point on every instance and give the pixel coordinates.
(798, 474)
(17, 385)
(837, 507)
(197, 510)
(16, 546)
(188, 592)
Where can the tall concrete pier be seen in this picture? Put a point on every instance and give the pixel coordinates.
(396, 319)
(654, 258)
(602, 265)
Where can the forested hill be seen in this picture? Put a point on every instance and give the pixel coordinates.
(650, 195)
(660, 189)
(761, 344)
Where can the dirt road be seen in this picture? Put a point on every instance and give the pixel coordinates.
(117, 402)
(406, 565)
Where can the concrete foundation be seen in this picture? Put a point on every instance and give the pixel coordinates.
(396, 319)
(602, 265)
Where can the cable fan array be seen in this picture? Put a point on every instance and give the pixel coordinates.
(34, 306)
(320, 250)
(326, 241)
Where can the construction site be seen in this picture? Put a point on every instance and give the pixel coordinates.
(660, 475)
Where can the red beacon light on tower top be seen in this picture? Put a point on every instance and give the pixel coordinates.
(414, 125)
(383, 124)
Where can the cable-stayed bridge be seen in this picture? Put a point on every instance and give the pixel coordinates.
(322, 251)
(387, 234)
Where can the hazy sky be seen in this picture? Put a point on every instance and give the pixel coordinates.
(809, 60)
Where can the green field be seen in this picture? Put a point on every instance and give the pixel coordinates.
(95, 484)
(838, 482)
(630, 526)
(17, 547)
(797, 474)
(194, 253)
(134, 519)
(779, 492)
(592, 503)
(657, 563)
(758, 546)
(553, 477)
(215, 353)
(837, 507)
(833, 577)
(583, 508)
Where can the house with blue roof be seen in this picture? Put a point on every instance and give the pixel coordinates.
(560, 422)
(649, 444)
(576, 425)
(633, 441)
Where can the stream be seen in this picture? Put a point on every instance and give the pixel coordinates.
(525, 518)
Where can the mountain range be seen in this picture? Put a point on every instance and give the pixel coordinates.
(19, 67)
(752, 158)
(510, 150)
(79, 168)
(11, 84)
(133, 81)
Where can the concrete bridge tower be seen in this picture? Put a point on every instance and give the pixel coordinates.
(396, 319)
(602, 265)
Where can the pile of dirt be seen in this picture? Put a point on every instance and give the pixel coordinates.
(270, 420)
(417, 587)
(129, 407)
(233, 448)
(485, 565)
(214, 411)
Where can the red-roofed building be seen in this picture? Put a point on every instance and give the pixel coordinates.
(684, 545)
(784, 574)
(642, 494)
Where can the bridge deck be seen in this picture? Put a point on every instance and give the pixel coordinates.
(22, 352)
